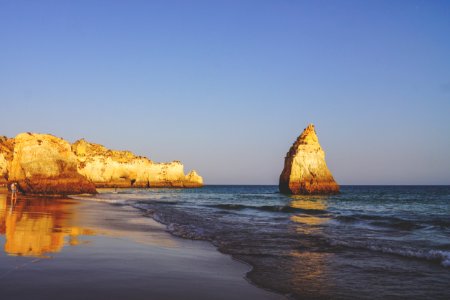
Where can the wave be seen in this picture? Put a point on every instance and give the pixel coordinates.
(394, 222)
(268, 208)
(162, 202)
(115, 198)
(185, 231)
(99, 199)
(440, 256)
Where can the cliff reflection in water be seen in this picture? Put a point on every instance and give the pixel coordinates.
(38, 226)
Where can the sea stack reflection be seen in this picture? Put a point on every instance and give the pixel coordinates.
(305, 170)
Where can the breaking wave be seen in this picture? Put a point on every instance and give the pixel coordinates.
(341, 238)
(269, 208)
(440, 256)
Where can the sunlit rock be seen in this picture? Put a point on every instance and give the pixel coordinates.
(45, 164)
(111, 168)
(305, 170)
(6, 153)
(192, 179)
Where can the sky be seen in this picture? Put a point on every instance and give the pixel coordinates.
(227, 86)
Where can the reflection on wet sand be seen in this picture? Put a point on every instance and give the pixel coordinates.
(37, 226)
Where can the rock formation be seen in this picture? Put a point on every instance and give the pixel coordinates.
(45, 164)
(305, 170)
(6, 153)
(111, 168)
(192, 179)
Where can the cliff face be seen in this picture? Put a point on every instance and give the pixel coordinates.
(305, 170)
(111, 168)
(6, 153)
(44, 164)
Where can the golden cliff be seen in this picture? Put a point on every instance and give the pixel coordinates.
(305, 170)
(111, 168)
(45, 164)
(6, 152)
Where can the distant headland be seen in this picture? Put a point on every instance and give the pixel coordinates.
(45, 164)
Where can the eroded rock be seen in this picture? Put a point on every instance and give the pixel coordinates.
(6, 153)
(305, 170)
(112, 168)
(45, 164)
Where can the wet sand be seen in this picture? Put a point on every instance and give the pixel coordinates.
(75, 249)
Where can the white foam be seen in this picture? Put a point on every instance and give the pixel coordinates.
(99, 199)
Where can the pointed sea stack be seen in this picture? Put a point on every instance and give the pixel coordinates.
(305, 170)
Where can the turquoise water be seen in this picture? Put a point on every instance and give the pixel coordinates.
(367, 242)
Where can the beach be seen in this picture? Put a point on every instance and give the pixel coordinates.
(80, 249)
(228, 242)
(368, 242)
(236, 150)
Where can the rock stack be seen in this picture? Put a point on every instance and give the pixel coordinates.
(305, 170)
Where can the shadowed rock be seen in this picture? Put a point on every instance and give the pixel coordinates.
(305, 170)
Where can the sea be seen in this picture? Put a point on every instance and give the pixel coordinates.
(368, 242)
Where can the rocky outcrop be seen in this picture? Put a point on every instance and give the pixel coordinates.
(305, 170)
(192, 179)
(45, 164)
(111, 168)
(6, 153)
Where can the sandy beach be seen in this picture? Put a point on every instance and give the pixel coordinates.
(78, 249)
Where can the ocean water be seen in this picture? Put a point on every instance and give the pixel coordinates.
(369, 242)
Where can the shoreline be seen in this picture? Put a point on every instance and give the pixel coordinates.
(249, 266)
(95, 250)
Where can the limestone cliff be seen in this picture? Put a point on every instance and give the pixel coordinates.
(305, 170)
(45, 164)
(111, 168)
(6, 152)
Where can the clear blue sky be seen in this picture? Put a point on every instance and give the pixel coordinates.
(227, 86)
